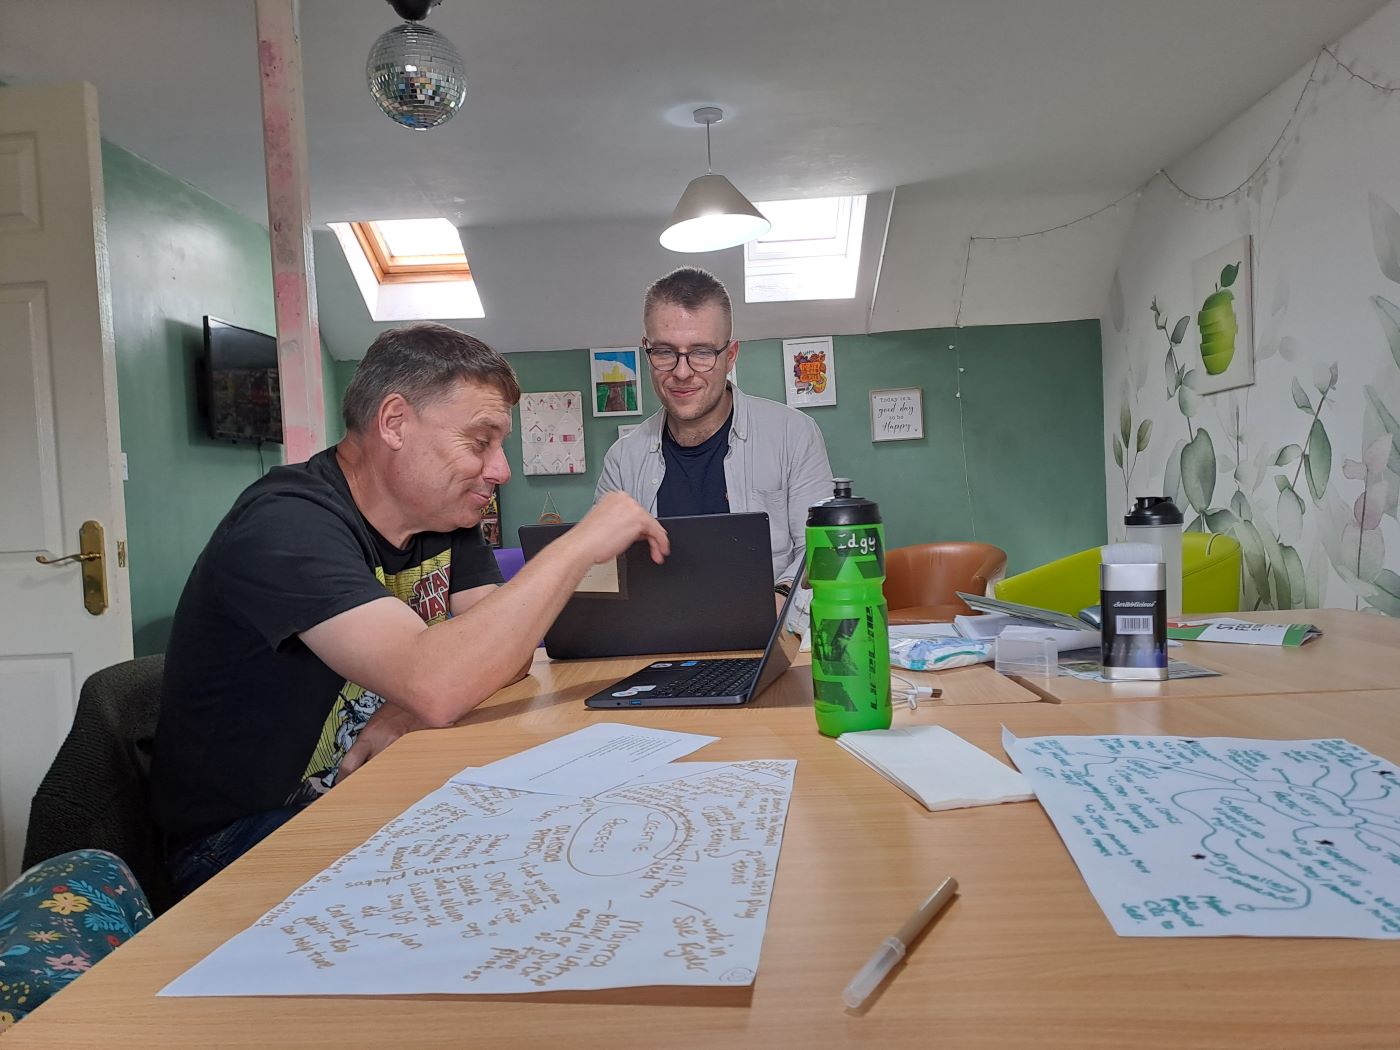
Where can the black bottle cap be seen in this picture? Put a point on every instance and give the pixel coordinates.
(1154, 510)
(843, 508)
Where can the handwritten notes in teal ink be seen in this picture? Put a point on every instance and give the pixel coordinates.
(664, 880)
(1218, 836)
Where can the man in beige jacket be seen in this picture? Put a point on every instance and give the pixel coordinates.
(713, 449)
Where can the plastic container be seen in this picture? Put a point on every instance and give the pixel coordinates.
(1157, 520)
(1027, 653)
(1133, 591)
(850, 621)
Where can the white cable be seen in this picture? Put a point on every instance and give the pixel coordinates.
(911, 694)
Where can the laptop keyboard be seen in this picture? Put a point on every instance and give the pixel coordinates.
(730, 677)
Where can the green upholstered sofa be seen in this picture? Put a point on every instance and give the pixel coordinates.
(1210, 578)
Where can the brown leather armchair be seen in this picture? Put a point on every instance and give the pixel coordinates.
(920, 580)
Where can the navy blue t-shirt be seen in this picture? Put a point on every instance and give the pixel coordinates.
(694, 480)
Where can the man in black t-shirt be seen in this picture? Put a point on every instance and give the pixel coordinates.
(346, 600)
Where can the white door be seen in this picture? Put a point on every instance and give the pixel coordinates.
(59, 443)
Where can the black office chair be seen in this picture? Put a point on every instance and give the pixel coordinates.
(95, 795)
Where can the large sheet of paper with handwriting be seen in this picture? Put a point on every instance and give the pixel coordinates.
(1219, 836)
(478, 889)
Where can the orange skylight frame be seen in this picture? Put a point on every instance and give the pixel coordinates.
(389, 268)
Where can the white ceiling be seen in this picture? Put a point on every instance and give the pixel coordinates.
(567, 109)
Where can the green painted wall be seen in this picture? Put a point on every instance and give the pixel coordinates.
(1032, 405)
(1032, 411)
(175, 255)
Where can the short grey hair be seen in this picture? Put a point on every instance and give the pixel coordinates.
(422, 362)
(689, 288)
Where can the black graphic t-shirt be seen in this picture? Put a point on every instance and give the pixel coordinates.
(251, 720)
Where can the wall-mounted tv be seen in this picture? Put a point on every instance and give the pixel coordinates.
(242, 399)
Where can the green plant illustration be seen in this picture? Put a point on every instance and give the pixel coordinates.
(1354, 544)
(1182, 382)
(1127, 446)
(1220, 479)
(1218, 324)
(1274, 576)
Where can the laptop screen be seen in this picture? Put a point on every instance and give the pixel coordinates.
(783, 646)
(714, 593)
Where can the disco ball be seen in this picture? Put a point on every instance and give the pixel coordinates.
(415, 74)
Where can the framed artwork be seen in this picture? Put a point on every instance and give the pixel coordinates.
(617, 386)
(897, 414)
(551, 432)
(809, 372)
(491, 521)
(1223, 287)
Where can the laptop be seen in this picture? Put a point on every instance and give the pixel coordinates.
(723, 682)
(714, 591)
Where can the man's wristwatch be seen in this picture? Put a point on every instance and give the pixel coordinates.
(784, 588)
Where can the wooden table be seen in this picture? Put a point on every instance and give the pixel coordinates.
(1023, 957)
(553, 681)
(1356, 651)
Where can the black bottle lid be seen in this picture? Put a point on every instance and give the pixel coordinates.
(843, 508)
(1154, 510)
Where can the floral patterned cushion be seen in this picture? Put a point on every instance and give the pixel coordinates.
(58, 920)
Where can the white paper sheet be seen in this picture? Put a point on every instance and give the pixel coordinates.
(923, 630)
(937, 767)
(588, 761)
(992, 625)
(1219, 836)
(479, 889)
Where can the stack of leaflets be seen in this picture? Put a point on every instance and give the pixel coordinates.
(937, 767)
(1029, 613)
(1092, 671)
(1228, 629)
(1070, 634)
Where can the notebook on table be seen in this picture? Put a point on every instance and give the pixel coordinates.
(719, 682)
(713, 592)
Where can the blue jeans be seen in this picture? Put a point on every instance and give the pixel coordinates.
(193, 865)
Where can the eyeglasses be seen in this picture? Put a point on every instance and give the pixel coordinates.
(700, 359)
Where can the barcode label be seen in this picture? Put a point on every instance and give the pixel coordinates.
(1134, 624)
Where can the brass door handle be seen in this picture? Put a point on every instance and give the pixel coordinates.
(90, 548)
(66, 558)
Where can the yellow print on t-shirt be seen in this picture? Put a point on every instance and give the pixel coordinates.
(424, 589)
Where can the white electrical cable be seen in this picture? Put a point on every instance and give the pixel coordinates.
(911, 694)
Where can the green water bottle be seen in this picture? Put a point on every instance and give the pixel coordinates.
(850, 621)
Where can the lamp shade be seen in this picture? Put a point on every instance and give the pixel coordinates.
(711, 215)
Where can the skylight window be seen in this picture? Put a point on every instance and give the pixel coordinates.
(812, 251)
(401, 250)
(410, 269)
(419, 239)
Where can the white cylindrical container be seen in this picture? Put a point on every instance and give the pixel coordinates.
(1156, 520)
(1133, 595)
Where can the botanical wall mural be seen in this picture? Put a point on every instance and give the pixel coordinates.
(1303, 466)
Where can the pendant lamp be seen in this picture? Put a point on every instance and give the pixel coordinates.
(711, 213)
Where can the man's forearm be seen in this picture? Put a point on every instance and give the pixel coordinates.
(440, 673)
(462, 661)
